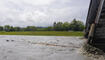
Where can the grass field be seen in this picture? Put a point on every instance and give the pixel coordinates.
(44, 33)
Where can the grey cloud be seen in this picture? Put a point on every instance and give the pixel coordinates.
(41, 13)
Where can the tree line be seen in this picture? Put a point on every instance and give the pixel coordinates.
(75, 25)
(9, 28)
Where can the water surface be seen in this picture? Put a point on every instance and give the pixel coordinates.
(40, 48)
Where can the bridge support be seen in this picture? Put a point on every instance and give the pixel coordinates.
(91, 34)
(95, 24)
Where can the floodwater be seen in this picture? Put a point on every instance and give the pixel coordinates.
(41, 48)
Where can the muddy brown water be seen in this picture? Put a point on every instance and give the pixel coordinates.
(41, 48)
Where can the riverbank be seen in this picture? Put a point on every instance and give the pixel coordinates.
(45, 33)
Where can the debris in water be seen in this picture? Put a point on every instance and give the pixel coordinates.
(12, 40)
(47, 44)
(7, 40)
(93, 52)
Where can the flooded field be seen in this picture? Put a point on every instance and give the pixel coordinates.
(41, 48)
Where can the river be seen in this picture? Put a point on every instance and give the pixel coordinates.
(41, 48)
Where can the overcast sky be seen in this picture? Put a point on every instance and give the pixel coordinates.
(41, 12)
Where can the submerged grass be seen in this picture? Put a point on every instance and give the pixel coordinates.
(45, 33)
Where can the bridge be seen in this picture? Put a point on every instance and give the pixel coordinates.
(95, 24)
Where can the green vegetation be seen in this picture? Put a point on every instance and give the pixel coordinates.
(75, 25)
(44, 33)
(74, 28)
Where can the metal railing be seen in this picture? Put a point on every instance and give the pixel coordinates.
(99, 11)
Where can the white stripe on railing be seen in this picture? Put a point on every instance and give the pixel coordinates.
(99, 11)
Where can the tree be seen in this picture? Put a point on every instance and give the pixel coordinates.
(54, 26)
(58, 26)
(49, 28)
(66, 26)
(30, 28)
(11, 28)
(1, 28)
(76, 25)
(7, 28)
(17, 29)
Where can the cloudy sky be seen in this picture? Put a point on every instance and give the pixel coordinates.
(41, 12)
